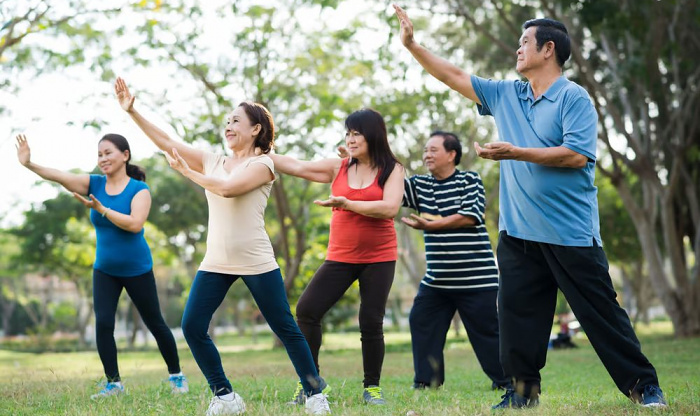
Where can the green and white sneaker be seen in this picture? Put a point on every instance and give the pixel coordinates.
(373, 395)
(109, 389)
(299, 397)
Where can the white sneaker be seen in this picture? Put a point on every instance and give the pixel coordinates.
(219, 406)
(318, 405)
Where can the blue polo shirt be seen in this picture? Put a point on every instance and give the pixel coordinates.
(540, 203)
(119, 252)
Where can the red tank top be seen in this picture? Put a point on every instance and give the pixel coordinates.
(356, 238)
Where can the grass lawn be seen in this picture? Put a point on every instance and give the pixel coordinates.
(574, 381)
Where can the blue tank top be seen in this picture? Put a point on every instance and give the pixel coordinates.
(119, 253)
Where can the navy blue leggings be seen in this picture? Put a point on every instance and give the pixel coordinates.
(106, 290)
(207, 293)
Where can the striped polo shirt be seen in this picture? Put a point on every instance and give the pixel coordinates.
(457, 259)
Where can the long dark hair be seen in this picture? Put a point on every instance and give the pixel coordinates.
(370, 124)
(120, 142)
(258, 114)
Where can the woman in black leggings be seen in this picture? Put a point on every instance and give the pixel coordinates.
(120, 201)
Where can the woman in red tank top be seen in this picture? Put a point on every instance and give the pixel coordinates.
(366, 193)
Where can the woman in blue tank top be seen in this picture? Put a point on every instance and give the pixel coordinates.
(120, 201)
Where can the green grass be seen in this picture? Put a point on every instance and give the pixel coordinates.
(574, 381)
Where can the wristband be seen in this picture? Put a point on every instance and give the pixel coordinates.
(105, 213)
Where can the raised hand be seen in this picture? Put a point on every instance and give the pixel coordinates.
(333, 202)
(342, 152)
(126, 100)
(406, 33)
(23, 153)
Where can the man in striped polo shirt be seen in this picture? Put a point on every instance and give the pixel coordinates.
(461, 271)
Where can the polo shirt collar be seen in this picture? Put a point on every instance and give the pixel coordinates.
(551, 94)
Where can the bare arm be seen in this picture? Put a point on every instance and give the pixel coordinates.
(322, 171)
(558, 157)
(252, 177)
(388, 207)
(79, 183)
(133, 223)
(450, 222)
(445, 72)
(158, 136)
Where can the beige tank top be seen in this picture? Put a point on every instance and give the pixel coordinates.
(237, 242)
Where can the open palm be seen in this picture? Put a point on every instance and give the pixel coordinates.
(406, 32)
(126, 100)
(23, 152)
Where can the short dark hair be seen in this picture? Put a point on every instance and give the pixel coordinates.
(258, 114)
(370, 123)
(450, 142)
(555, 31)
(122, 144)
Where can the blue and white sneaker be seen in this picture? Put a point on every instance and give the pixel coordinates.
(652, 396)
(109, 389)
(178, 384)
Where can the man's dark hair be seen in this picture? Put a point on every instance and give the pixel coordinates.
(450, 142)
(555, 31)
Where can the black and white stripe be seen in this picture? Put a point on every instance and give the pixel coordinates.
(460, 259)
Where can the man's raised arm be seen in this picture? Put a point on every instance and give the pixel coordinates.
(451, 75)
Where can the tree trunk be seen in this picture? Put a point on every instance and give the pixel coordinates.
(8, 308)
(410, 255)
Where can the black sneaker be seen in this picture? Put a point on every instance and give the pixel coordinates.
(512, 400)
(652, 396)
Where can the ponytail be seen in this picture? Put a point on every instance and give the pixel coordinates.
(135, 172)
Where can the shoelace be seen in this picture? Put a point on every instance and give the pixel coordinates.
(374, 392)
(178, 381)
(107, 387)
(508, 396)
(297, 391)
(652, 391)
(323, 404)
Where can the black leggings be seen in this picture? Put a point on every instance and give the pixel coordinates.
(106, 290)
(326, 288)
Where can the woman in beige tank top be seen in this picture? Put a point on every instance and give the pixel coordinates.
(237, 188)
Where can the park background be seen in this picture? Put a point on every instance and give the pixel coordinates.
(312, 62)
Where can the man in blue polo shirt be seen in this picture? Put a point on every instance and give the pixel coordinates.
(549, 231)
